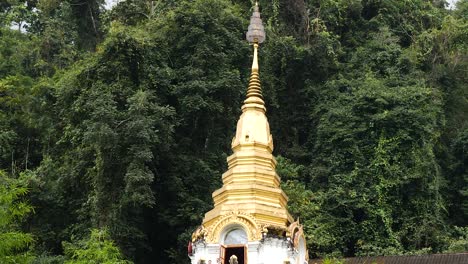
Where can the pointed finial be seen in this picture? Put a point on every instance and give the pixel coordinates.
(256, 32)
(255, 36)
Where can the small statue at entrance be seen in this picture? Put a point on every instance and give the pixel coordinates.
(233, 260)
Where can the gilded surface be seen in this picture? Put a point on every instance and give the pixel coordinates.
(247, 221)
(251, 195)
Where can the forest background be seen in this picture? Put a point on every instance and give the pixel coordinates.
(115, 124)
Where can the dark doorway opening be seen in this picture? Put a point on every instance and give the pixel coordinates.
(238, 251)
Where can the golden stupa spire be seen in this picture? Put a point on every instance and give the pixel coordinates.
(250, 212)
(255, 36)
(251, 195)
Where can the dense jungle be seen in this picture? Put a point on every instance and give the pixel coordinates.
(115, 123)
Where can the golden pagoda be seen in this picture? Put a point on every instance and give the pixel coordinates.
(250, 220)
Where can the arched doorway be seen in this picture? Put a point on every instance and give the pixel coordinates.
(234, 242)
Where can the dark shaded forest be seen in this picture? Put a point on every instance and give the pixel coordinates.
(115, 124)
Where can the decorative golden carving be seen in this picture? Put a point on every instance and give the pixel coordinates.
(199, 233)
(274, 229)
(296, 231)
(293, 228)
(247, 221)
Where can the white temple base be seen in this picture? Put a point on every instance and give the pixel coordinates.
(268, 251)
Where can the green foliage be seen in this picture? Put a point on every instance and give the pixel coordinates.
(48, 259)
(332, 261)
(17, 13)
(133, 12)
(97, 249)
(459, 243)
(14, 244)
(386, 135)
(16, 57)
(126, 115)
(460, 173)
